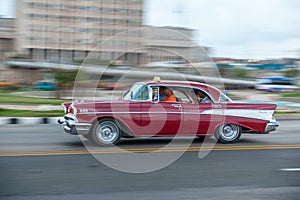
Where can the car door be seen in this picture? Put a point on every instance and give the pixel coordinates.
(201, 117)
(197, 118)
(161, 118)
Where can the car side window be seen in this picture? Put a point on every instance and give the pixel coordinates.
(224, 98)
(138, 92)
(181, 96)
(201, 96)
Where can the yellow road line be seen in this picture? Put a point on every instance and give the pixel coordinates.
(111, 150)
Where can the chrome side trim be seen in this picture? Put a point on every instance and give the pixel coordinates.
(93, 113)
(251, 114)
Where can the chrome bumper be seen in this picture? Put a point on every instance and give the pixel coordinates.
(72, 126)
(271, 126)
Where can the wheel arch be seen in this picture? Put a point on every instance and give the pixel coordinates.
(222, 137)
(125, 130)
(252, 125)
(246, 124)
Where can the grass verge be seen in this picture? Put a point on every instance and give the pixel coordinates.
(290, 94)
(287, 112)
(8, 98)
(29, 113)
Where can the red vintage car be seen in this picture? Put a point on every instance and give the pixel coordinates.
(190, 109)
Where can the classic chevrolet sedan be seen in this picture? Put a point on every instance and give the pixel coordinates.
(167, 108)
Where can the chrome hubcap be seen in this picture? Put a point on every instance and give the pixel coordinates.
(229, 131)
(107, 132)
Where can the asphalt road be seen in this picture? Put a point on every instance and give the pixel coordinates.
(41, 162)
(51, 137)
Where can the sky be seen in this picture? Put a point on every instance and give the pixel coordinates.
(254, 29)
(257, 29)
(7, 8)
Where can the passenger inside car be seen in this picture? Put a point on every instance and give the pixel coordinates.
(168, 94)
(202, 97)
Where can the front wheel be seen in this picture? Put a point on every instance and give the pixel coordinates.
(228, 133)
(106, 132)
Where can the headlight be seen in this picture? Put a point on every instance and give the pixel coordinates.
(72, 110)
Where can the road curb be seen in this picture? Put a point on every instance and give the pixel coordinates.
(28, 120)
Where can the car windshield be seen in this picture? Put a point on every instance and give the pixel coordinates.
(138, 92)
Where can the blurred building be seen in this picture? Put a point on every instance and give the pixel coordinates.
(67, 30)
(7, 35)
(172, 44)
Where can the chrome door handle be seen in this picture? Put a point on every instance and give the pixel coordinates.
(176, 105)
(218, 106)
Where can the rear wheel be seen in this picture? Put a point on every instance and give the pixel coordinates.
(106, 132)
(228, 133)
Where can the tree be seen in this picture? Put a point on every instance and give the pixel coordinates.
(65, 81)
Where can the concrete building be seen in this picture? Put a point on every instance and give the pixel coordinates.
(67, 30)
(7, 35)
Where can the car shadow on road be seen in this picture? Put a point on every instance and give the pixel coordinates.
(163, 141)
(147, 142)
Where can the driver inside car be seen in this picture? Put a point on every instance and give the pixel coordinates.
(169, 95)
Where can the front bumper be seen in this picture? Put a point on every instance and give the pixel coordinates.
(271, 126)
(72, 126)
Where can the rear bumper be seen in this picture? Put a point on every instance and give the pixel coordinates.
(72, 126)
(271, 126)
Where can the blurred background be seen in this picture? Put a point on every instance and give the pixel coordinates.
(254, 46)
